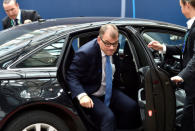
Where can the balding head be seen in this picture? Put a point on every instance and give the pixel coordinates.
(111, 28)
(108, 39)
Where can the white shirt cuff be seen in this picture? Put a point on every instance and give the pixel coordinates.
(81, 95)
(164, 49)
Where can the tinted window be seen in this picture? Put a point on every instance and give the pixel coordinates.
(82, 39)
(47, 57)
(165, 38)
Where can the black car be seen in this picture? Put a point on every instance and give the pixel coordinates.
(34, 59)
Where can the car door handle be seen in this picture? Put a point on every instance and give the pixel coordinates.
(141, 97)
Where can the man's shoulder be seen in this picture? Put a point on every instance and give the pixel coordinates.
(5, 19)
(192, 32)
(89, 45)
(89, 49)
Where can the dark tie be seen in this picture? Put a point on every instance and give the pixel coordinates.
(16, 21)
(108, 81)
(185, 40)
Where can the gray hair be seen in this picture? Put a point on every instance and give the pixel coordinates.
(106, 27)
(8, 1)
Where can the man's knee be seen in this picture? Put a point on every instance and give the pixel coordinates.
(108, 121)
(109, 116)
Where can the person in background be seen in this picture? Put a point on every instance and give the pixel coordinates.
(93, 78)
(187, 74)
(16, 16)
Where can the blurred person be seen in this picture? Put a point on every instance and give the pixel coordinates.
(187, 74)
(16, 16)
(93, 78)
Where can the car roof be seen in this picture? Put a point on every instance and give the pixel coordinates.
(56, 26)
(14, 32)
(43, 23)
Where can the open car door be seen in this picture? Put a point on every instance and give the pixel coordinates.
(156, 96)
(140, 77)
(170, 63)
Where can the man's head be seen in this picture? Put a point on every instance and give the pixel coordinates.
(108, 39)
(11, 8)
(188, 8)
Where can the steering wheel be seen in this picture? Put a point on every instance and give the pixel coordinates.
(158, 57)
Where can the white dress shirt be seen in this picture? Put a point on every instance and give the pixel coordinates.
(102, 89)
(18, 18)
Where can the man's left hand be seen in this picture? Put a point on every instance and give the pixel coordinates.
(27, 21)
(177, 79)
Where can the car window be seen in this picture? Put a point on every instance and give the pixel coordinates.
(81, 39)
(124, 45)
(47, 57)
(122, 42)
(166, 38)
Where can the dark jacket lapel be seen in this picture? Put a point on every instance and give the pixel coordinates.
(189, 36)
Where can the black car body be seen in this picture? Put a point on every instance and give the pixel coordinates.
(34, 59)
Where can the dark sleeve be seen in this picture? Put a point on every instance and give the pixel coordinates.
(30, 14)
(189, 70)
(4, 23)
(75, 72)
(35, 16)
(174, 49)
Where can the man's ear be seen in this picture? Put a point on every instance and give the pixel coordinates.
(98, 39)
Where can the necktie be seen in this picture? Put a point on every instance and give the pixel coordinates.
(108, 81)
(185, 38)
(16, 21)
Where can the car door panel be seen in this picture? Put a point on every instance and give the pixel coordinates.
(153, 89)
(171, 63)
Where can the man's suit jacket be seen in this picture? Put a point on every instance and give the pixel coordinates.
(188, 71)
(85, 71)
(25, 14)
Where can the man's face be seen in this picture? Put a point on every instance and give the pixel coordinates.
(11, 9)
(185, 9)
(107, 44)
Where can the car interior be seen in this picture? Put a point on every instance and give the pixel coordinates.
(128, 69)
(131, 63)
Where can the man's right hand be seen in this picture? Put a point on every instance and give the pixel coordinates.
(155, 45)
(86, 102)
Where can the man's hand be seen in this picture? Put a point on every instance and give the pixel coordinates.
(86, 102)
(177, 79)
(27, 21)
(155, 45)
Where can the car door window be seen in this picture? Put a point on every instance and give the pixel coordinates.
(169, 63)
(128, 68)
(46, 57)
(163, 37)
(81, 39)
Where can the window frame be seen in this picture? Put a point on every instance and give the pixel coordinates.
(34, 51)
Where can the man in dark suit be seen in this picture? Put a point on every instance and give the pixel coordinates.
(187, 74)
(95, 87)
(15, 16)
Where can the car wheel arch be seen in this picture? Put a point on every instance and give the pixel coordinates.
(69, 118)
